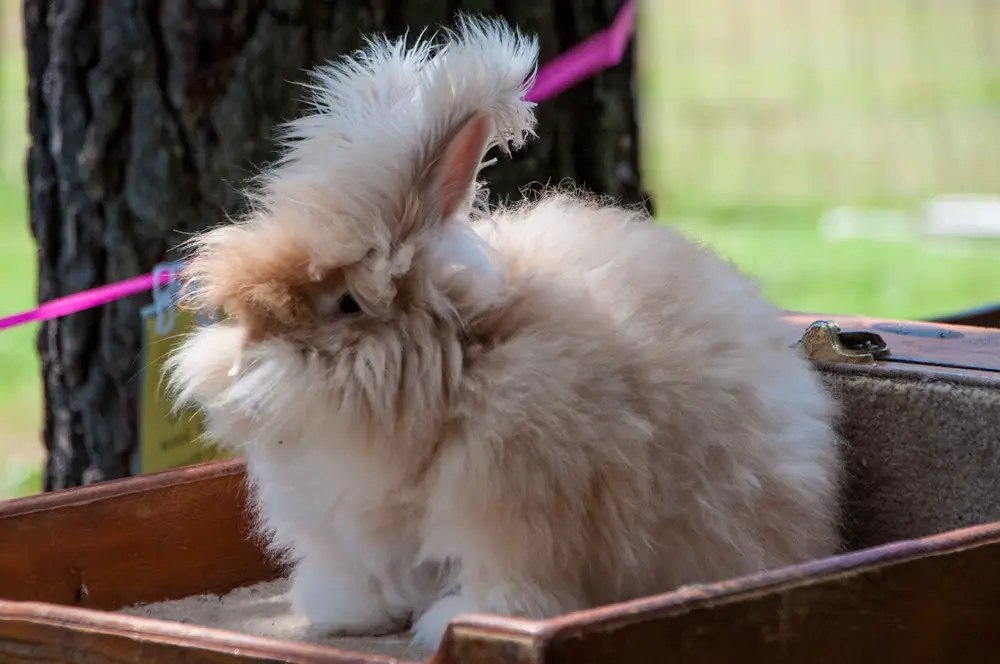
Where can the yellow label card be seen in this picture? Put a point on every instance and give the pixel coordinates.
(166, 439)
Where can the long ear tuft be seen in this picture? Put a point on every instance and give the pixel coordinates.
(382, 116)
(484, 66)
(475, 86)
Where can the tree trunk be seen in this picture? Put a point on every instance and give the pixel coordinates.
(147, 115)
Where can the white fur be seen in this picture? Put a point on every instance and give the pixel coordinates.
(558, 406)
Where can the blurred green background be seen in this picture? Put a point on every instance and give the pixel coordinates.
(20, 382)
(800, 138)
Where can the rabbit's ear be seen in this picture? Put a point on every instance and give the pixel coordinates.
(453, 174)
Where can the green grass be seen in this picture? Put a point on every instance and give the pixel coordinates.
(800, 270)
(758, 116)
(20, 382)
(17, 248)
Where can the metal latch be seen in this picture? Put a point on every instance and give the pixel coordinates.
(824, 341)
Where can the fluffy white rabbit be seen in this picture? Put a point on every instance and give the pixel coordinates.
(524, 411)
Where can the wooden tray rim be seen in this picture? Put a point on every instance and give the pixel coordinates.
(534, 635)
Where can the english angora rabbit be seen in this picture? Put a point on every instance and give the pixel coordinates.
(525, 411)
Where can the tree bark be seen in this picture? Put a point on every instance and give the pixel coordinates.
(146, 116)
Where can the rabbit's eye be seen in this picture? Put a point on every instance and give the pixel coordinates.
(348, 306)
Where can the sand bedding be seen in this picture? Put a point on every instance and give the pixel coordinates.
(263, 610)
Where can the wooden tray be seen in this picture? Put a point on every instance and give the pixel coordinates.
(70, 559)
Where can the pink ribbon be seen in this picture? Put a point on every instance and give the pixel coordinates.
(600, 52)
(88, 299)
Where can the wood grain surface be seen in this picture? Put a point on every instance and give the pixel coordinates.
(929, 601)
(34, 632)
(143, 539)
(916, 343)
(986, 316)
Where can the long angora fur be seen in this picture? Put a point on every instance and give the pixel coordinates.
(524, 411)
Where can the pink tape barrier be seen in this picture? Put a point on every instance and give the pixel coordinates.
(88, 299)
(600, 52)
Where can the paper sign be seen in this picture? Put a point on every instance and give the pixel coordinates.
(167, 439)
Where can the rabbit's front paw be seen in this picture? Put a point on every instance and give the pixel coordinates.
(525, 600)
(430, 627)
(339, 604)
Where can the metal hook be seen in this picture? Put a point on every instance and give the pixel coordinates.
(824, 341)
(165, 295)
